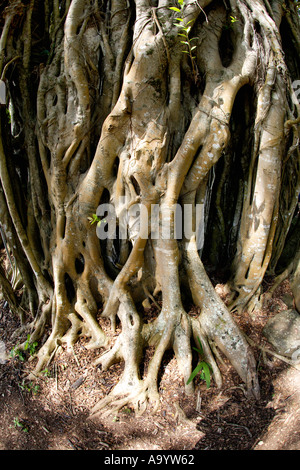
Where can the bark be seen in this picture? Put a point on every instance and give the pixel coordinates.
(106, 107)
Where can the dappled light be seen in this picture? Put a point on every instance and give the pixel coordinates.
(148, 149)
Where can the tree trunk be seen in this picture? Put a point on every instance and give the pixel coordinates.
(115, 110)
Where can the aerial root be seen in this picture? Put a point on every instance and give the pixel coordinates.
(164, 333)
(110, 357)
(138, 399)
(131, 390)
(37, 326)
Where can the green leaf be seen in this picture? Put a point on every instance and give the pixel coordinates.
(93, 219)
(26, 345)
(179, 19)
(197, 369)
(174, 8)
(200, 344)
(184, 42)
(194, 47)
(206, 372)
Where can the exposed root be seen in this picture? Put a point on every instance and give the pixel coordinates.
(294, 363)
(217, 323)
(163, 333)
(180, 415)
(139, 399)
(46, 354)
(158, 145)
(173, 328)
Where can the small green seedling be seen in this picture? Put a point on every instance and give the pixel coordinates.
(29, 387)
(94, 219)
(46, 372)
(184, 32)
(202, 367)
(31, 347)
(233, 19)
(16, 352)
(28, 346)
(127, 410)
(19, 424)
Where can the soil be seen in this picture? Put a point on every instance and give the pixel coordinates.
(53, 412)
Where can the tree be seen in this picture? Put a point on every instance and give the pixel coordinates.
(142, 104)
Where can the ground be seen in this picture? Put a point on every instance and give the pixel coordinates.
(53, 413)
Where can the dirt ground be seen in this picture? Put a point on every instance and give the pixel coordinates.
(53, 412)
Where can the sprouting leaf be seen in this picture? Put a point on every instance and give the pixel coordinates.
(206, 372)
(194, 373)
(204, 368)
(93, 219)
(185, 31)
(200, 351)
(200, 344)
